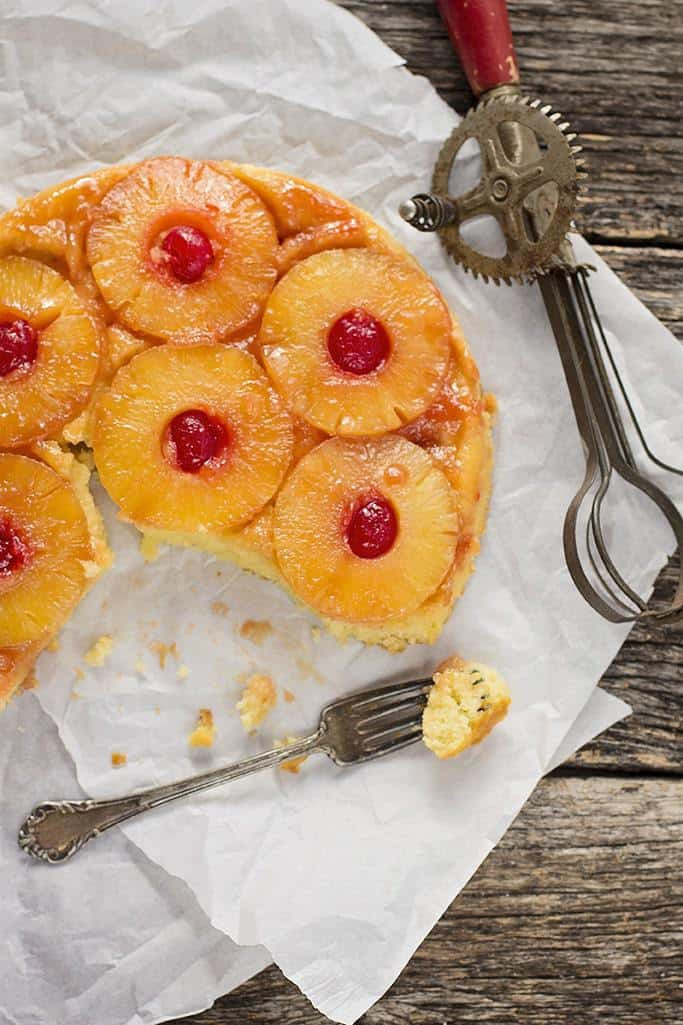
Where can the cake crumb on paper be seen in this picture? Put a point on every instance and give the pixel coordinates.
(256, 630)
(258, 697)
(31, 681)
(140, 666)
(306, 668)
(288, 696)
(149, 548)
(183, 672)
(292, 765)
(204, 733)
(162, 651)
(78, 673)
(118, 758)
(98, 654)
(219, 608)
(54, 645)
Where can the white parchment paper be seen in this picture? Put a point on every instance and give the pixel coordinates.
(111, 940)
(338, 874)
(114, 939)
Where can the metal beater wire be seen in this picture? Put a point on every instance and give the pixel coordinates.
(620, 383)
(579, 335)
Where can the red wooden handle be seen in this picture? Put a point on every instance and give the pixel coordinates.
(480, 32)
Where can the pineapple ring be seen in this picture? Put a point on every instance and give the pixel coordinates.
(124, 241)
(312, 515)
(40, 588)
(131, 430)
(310, 301)
(38, 399)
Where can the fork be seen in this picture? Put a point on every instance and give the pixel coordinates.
(357, 728)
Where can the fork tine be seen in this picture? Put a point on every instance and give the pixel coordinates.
(392, 740)
(397, 715)
(381, 698)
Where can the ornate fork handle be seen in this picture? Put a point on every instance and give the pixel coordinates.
(56, 830)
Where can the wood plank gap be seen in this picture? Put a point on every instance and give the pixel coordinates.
(639, 772)
(597, 238)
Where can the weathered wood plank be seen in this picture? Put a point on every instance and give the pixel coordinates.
(655, 276)
(648, 673)
(577, 916)
(613, 71)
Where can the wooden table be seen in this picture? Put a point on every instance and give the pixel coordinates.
(577, 916)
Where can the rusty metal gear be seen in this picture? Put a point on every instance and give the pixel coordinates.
(529, 183)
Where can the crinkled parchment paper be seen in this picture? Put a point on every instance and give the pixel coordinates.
(338, 874)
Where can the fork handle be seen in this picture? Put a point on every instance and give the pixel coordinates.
(480, 33)
(56, 830)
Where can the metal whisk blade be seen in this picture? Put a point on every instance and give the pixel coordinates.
(594, 382)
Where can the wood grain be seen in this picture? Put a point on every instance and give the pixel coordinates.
(647, 673)
(575, 917)
(613, 71)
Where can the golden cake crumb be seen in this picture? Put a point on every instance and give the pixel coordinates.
(465, 703)
(258, 697)
(292, 765)
(78, 673)
(256, 630)
(30, 682)
(490, 404)
(100, 651)
(53, 645)
(306, 668)
(118, 758)
(288, 696)
(205, 732)
(149, 548)
(139, 666)
(183, 672)
(219, 608)
(162, 651)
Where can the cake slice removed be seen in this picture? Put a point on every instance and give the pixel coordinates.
(467, 700)
(262, 372)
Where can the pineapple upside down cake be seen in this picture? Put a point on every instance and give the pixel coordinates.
(260, 371)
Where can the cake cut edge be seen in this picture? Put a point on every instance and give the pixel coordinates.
(17, 662)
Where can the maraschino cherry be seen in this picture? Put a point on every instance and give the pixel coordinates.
(14, 551)
(189, 253)
(358, 343)
(18, 345)
(373, 528)
(196, 438)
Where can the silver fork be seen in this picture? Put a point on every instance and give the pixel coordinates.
(357, 728)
